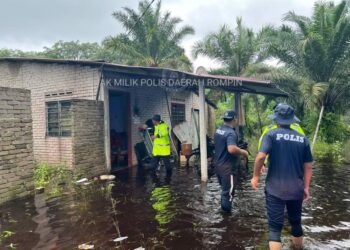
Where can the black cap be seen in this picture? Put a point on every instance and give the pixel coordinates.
(229, 115)
(284, 115)
(156, 118)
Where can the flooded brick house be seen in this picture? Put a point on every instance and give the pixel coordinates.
(76, 105)
(79, 108)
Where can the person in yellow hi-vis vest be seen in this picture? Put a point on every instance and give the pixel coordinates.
(294, 126)
(161, 145)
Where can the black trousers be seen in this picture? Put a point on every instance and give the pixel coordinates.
(275, 212)
(166, 161)
(228, 182)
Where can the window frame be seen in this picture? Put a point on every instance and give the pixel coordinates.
(60, 131)
(183, 116)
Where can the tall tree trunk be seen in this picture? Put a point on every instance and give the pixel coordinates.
(317, 127)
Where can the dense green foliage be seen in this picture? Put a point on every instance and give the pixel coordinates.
(235, 49)
(152, 38)
(329, 152)
(313, 53)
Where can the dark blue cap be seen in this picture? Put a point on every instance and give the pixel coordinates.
(156, 118)
(284, 115)
(229, 115)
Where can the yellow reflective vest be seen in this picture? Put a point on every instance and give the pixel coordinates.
(295, 126)
(161, 143)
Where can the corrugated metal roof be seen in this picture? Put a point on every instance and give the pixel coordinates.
(246, 85)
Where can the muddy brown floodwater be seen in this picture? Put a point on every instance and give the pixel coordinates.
(182, 214)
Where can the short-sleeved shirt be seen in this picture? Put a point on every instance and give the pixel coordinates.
(288, 151)
(225, 136)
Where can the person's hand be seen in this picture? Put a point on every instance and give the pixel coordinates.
(153, 137)
(255, 182)
(306, 194)
(245, 153)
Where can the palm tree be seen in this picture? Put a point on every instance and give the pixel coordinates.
(152, 38)
(316, 49)
(235, 49)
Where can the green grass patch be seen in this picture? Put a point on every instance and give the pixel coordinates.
(52, 177)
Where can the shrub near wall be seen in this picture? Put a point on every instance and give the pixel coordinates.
(16, 144)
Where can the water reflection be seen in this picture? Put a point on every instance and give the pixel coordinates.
(48, 238)
(164, 206)
(182, 214)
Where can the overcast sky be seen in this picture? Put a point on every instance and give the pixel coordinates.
(32, 24)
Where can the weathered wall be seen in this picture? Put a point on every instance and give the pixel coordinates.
(88, 138)
(16, 144)
(50, 82)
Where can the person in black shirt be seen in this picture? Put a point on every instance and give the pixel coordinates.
(227, 158)
(288, 177)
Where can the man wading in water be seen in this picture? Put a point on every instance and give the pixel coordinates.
(288, 177)
(227, 158)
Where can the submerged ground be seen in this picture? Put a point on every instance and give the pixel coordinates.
(182, 214)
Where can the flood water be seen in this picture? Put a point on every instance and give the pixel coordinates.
(182, 214)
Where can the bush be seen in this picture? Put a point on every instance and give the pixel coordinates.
(347, 153)
(333, 127)
(329, 152)
(51, 176)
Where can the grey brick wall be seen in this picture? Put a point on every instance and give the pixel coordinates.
(16, 144)
(88, 138)
(41, 79)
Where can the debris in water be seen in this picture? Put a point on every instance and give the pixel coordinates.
(139, 248)
(120, 239)
(40, 190)
(86, 246)
(107, 177)
(82, 180)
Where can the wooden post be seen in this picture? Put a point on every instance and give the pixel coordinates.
(107, 128)
(203, 133)
(238, 109)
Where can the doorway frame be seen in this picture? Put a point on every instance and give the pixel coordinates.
(106, 95)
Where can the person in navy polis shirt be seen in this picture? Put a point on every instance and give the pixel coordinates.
(288, 177)
(226, 158)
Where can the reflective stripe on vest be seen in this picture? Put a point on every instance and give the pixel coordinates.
(294, 126)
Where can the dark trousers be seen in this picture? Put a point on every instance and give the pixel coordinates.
(275, 213)
(166, 161)
(228, 184)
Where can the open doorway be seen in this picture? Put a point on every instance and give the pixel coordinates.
(120, 131)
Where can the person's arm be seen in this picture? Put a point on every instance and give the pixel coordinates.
(232, 147)
(264, 150)
(234, 150)
(156, 133)
(308, 159)
(307, 179)
(258, 164)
